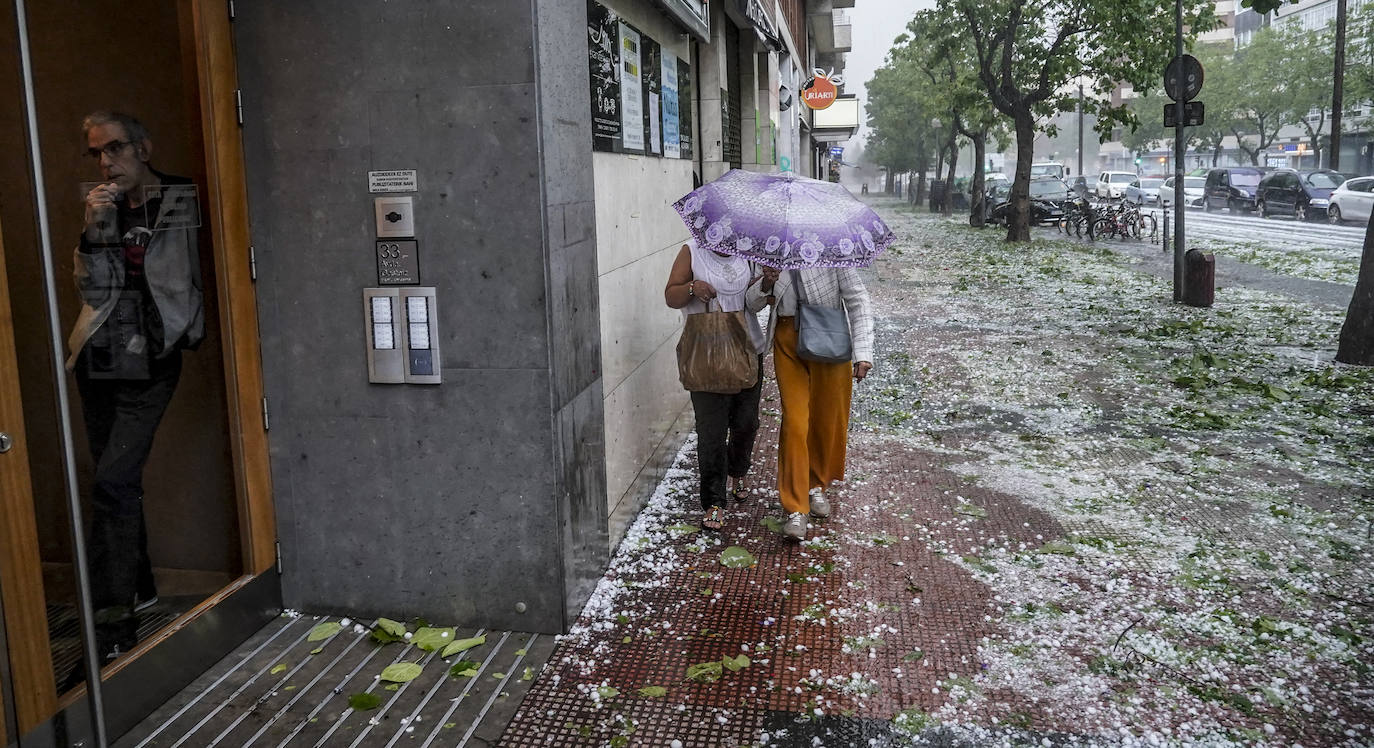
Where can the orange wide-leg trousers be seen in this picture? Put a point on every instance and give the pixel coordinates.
(815, 419)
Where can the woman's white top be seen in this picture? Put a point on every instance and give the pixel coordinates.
(730, 277)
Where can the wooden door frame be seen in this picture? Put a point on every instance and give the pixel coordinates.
(211, 41)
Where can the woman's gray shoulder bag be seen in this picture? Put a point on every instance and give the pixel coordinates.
(822, 331)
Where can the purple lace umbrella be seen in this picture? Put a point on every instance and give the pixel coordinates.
(784, 221)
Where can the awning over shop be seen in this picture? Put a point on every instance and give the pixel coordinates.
(757, 15)
(836, 122)
(692, 15)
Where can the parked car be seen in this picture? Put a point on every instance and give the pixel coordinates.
(1047, 169)
(1192, 192)
(1232, 187)
(994, 194)
(1352, 201)
(1143, 191)
(1112, 184)
(1047, 197)
(1301, 194)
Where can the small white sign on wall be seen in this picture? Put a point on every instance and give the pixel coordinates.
(397, 180)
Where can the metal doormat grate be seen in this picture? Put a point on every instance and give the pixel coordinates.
(281, 689)
(64, 632)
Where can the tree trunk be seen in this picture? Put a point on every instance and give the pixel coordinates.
(975, 215)
(1216, 155)
(921, 184)
(1018, 218)
(1357, 334)
(891, 177)
(949, 183)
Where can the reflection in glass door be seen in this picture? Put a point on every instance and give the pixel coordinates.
(124, 105)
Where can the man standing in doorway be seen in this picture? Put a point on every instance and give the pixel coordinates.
(138, 274)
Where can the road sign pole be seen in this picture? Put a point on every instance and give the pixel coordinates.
(1180, 202)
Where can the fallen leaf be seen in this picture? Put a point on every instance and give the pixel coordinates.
(363, 702)
(736, 557)
(463, 645)
(431, 639)
(401, 672)
(324, 631)
(653, 692)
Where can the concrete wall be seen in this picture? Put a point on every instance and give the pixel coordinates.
(638, 236)
(456, 502)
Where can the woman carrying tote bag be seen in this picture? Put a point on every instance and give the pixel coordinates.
(702, 281)
(815, 394)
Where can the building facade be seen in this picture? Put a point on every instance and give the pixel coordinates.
(438, 378)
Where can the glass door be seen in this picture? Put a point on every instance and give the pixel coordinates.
(136, 497)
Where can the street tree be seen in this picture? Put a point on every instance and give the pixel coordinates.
(893, 105)
(1307, 71)
(1259, 112)
(1028, 53)
(1356, 344)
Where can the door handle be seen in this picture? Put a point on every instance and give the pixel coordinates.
(5, 442)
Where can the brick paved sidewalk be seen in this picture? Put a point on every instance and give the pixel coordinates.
(1170, 563)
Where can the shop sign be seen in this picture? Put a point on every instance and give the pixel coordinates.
(602, 27)
(820, 91)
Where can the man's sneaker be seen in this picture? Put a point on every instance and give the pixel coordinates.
(142, 603)
(820, 506)
(795, 527)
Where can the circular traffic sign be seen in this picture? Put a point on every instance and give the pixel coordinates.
(1183, 78)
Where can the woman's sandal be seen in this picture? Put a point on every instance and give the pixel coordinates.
(739, 491)
(714, 519)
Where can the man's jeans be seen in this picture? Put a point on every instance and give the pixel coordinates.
(122, 417)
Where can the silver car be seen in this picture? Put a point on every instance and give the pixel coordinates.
(1192, 191)
(1143, 191)
(1352, 201)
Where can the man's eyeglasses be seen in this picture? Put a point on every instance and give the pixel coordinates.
(111, 149)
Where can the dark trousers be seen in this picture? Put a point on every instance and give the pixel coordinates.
(726, 427)
(121, 418)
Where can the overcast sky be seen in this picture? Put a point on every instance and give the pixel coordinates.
(875, 24)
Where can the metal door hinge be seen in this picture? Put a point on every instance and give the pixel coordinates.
(252, 262)
(231, 10)
(238, 105)
(266, 419)
(277, 544)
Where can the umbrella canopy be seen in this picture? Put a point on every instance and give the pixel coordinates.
(784, 221)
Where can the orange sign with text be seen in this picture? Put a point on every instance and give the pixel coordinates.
(819, 92)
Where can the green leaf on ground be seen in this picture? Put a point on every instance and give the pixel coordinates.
(316, 650)
(521, 652)
(387, 631)
(705, 672)
(1058, 546)
(684, 529)
(971, 510)
(736, 663)
(528, 674)
(736, 557)
(607, 692)
(883, 540)
(912, 721)
(432, 639)
(277, 669)
(772, 523)
(324, 631)
(653, 692)
(980, 564)
(391, 686)
(363, 702)
(463, 645)
(464, 669)
(915, 655)
(401, 672)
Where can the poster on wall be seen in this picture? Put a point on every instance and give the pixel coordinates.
(672, 143)
(684, 108)
(631, 90)
(602, 27)
(653, 92)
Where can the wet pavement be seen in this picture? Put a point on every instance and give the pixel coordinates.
(1075, 514)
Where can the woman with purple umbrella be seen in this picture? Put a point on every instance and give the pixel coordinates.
(814, 437)
(726, 423)
(819, 233)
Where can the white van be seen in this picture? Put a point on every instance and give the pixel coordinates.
(1047, 169)
(1112, 184)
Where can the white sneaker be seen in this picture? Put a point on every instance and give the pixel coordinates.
(795, 528)
(820, 506)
